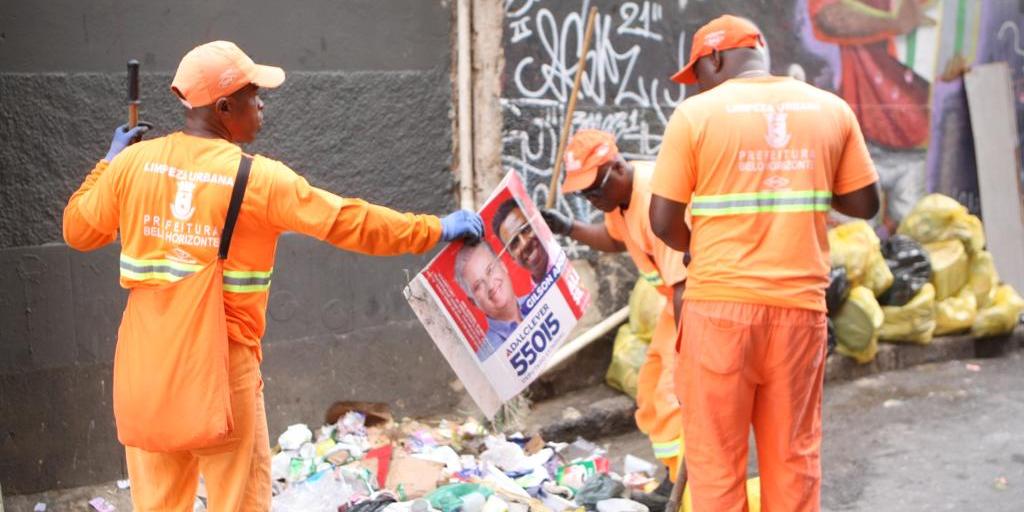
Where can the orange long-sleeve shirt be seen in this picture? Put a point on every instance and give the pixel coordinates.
(658, 263)
(168, 198)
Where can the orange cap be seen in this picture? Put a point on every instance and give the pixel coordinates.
(586, 151)
(213, 70)
(722, 33)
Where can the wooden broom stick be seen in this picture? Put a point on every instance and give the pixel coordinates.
(556, 174)
(675, 501)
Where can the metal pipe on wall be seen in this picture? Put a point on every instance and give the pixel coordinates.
(465, 90)
(591, 335)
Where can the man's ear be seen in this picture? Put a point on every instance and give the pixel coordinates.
(621, 165)
(716, 60)
(222, 105)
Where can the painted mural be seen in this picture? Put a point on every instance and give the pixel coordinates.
(898, 63)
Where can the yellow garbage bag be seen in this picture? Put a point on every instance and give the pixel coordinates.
(1002, 316)
(857, 325)
(983, 279)
(913, 322)
(628, 355)
(855, 246)
(633, 338)
(645, 305)
(949, 267)
(938, 218)
(956, 314)
(753, 496)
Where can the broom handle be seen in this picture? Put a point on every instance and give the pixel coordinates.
(556, 174)
(675, 501)
(133, 93)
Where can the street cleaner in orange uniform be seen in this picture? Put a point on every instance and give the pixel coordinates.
(622, 190)
(168, 198)
(759, 160)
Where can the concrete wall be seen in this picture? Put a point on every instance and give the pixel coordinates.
(364, 112)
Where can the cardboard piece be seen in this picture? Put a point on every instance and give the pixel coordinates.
(378, 461)
(339, 458)
(415, 477)
(534, 445)
(376, 413)
(994, 125)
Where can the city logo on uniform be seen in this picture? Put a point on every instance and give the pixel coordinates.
(778, 135)
(776, 182)
(181, 256)
(182, 208)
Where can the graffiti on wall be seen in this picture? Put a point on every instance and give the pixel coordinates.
(898, 63)
(624, 90)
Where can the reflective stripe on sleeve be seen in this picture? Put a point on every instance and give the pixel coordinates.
(652, 277)
(667, 449)
(246, 281)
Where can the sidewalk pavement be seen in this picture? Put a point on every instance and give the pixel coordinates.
(600, 411)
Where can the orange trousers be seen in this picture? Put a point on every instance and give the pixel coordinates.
(658, 414)
(743, 364)
(237, 473)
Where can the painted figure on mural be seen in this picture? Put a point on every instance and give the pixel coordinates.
(888, 96)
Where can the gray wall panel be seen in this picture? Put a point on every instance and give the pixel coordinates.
(365, 112)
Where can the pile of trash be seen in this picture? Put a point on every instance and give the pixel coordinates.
(367, 462)
(932, 278)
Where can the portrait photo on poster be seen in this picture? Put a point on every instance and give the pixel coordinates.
(512, 297)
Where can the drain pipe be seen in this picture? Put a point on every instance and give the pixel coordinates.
(465, 89)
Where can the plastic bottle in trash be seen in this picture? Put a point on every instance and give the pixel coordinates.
(420, 505)
(473, 502)
(620, 505)
(321, 493)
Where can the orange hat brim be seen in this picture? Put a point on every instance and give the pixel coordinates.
(686, 75)
(579, 180)
(267, 77)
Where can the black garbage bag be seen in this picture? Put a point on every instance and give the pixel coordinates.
(838, 289)
(910, 267)
(599, 487)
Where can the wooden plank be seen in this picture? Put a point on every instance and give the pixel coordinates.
(994, 125)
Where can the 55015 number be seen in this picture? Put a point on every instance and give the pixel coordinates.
(528, 353)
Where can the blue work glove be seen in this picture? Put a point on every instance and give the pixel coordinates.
(123, 137)
(462, 224)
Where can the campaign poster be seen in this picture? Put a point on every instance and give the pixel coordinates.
(499, 309)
